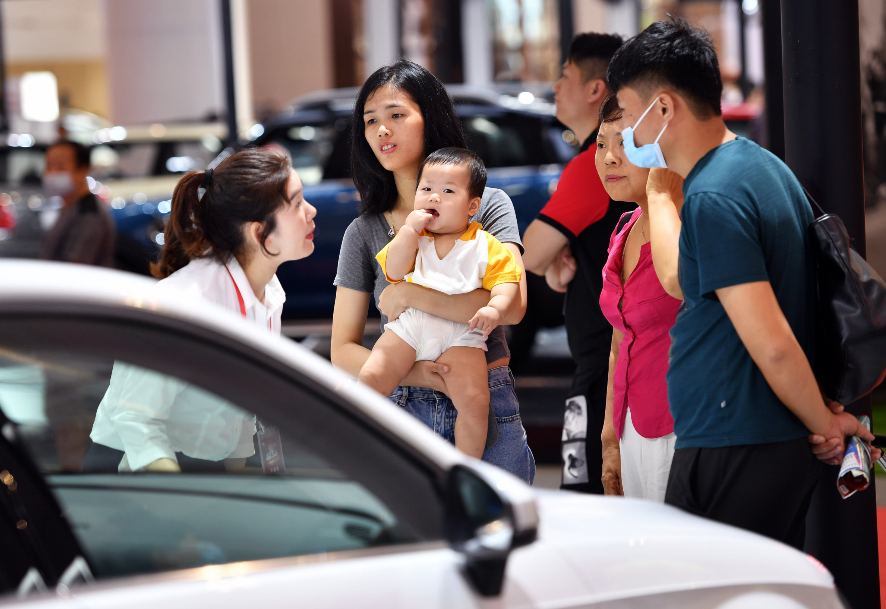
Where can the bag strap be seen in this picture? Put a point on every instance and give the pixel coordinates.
(625, 218)
(811, 200)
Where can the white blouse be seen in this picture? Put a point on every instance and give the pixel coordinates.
(208, 279)
(149, 415)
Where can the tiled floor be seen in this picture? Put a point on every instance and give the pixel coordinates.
(548, 476)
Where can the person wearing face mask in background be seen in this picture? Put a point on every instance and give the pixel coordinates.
(84, 231)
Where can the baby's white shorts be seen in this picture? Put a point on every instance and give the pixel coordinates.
(430, 335)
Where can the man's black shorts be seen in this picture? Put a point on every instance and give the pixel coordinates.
(764, 488)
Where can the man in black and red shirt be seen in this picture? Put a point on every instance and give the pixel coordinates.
(572, 232)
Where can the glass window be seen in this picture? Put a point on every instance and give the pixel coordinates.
(309, 146)
(506, 140)
(25, 165)
(157, 158)
(156, 473)
(525, 39)
(188, 156)
(130, 160)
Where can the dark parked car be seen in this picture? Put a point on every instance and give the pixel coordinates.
(518, 137)
(523, 145)
(515, 132)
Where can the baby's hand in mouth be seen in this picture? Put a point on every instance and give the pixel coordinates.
(418, 219)
(434, 213)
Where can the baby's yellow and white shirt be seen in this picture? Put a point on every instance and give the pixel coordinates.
(477, 260)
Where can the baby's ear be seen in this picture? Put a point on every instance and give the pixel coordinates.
(474, 205)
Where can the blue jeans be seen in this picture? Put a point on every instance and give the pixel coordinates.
(435, 409)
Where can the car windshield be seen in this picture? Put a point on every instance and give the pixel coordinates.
(22, 166)
(310, 146)
(320, 151)
(154, 158)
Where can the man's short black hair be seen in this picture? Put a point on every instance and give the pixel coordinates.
(591, 53)
(671, 54)
(81, 153)
(458, 156)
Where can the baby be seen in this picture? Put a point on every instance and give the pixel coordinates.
(440, 248)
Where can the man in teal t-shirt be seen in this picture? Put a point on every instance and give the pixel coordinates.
(740, 388)
(739, 227)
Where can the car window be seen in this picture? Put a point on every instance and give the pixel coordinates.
(309, 145)
(507, 139)
(499, 145)
(157, 158)
(269, 470)
(321, 151)
(23, 166)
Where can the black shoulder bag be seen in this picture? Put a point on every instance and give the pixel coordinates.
(850, 329)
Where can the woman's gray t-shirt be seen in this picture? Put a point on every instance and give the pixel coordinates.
(368, 235)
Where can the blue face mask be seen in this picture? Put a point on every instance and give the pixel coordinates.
(647, 156)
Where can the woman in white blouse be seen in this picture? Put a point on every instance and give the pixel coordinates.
(228, 231)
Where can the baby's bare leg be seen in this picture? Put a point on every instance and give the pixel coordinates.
(390, 360)
(467, 385)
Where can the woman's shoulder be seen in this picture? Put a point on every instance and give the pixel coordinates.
(498, 216)
(365, 225)
(195, 278)
(365, 231)
(619, 233)
(494, 195)
(364, 220)
(494, 202)
(197, 270)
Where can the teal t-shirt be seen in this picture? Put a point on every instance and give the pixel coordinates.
(744, 220)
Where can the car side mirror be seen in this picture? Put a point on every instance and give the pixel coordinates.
(488, 513)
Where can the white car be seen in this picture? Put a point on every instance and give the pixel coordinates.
(366, 508)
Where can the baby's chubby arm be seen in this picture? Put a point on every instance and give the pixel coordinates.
(404, 247)
(488, 318)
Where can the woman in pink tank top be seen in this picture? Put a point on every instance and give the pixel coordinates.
(640, 298)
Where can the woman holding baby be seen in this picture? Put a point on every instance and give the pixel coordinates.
(403, 114)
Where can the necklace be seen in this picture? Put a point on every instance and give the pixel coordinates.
(391, 232)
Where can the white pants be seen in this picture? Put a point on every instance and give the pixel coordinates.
(645, 463)
(430, 335)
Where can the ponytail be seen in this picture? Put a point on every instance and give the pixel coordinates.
(183, 234)
(249, 186)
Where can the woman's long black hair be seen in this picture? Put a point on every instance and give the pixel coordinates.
(378, 192)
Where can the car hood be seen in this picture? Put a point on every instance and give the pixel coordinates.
(605, 542)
